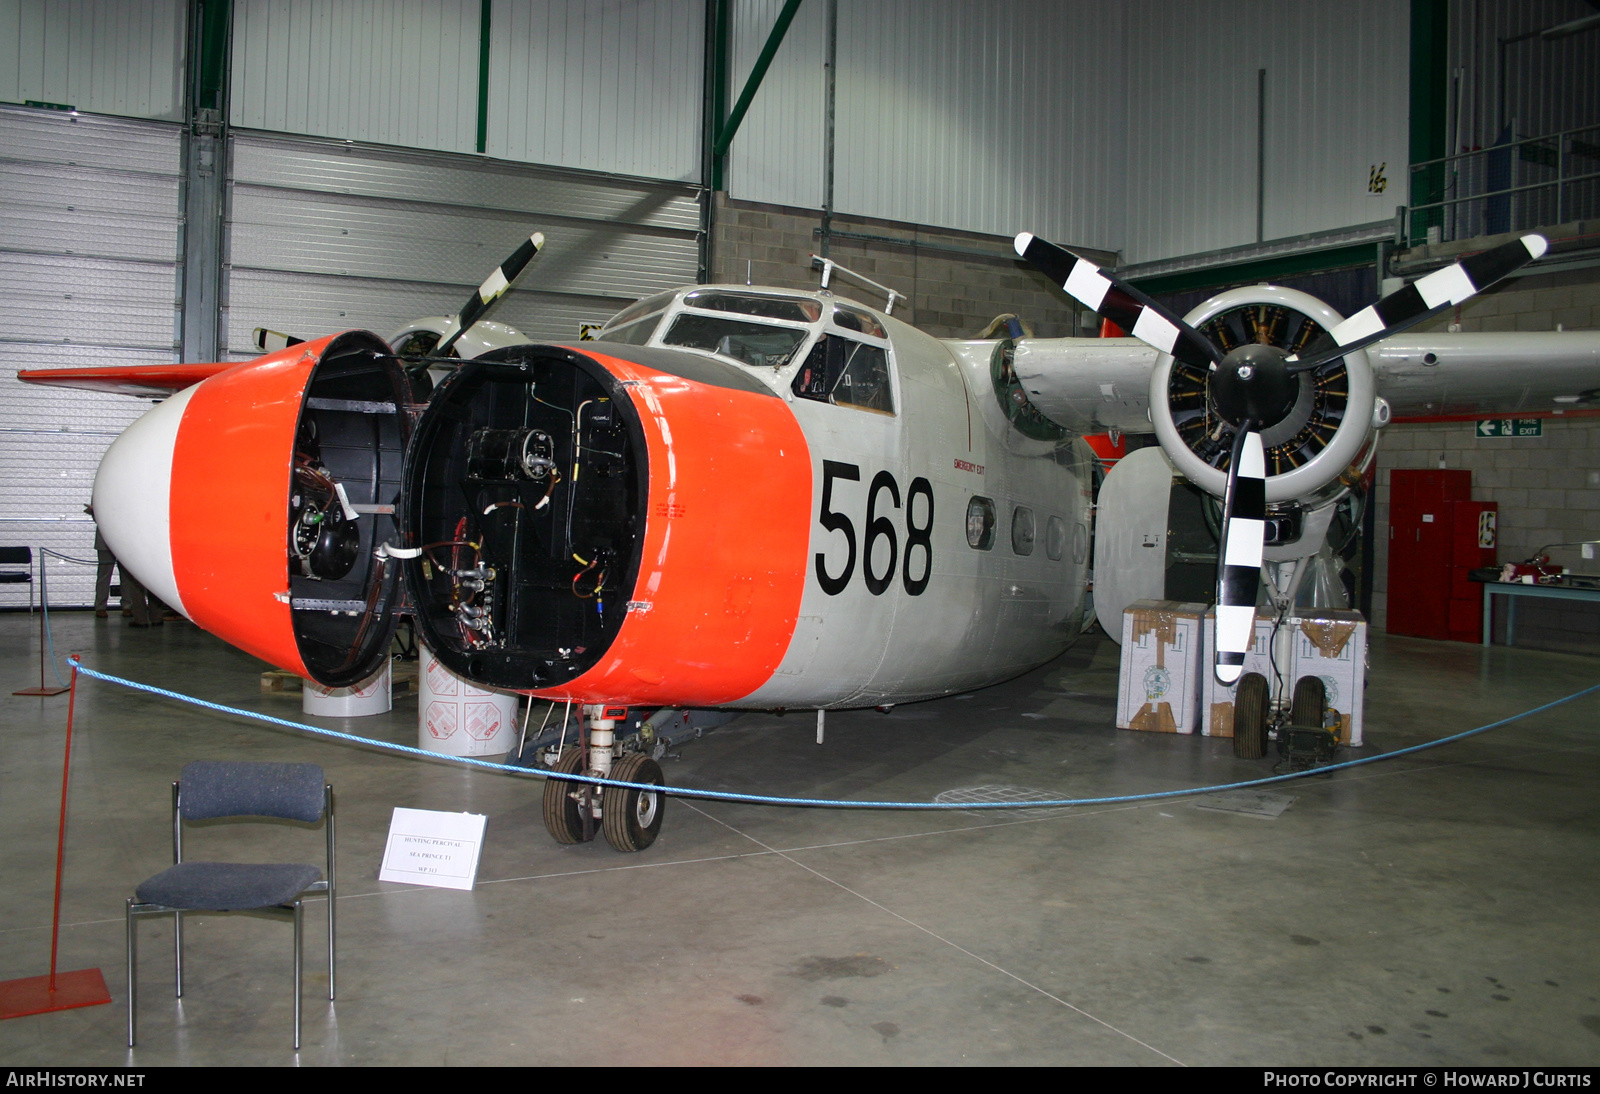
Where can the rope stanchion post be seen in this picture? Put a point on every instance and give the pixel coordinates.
(42, 691)
(67, 990)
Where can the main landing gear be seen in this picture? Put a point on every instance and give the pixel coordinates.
(575, 811)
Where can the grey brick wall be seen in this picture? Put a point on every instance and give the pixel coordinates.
(948, 295)
(1569, 300)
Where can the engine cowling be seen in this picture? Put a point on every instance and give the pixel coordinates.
(1324, 442)
(254, 502)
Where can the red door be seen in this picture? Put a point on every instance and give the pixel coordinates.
(1422, 536)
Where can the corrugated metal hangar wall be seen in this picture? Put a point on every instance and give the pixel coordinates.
(382, 156)
(1129, 127)
(89, 227)
(325, 235)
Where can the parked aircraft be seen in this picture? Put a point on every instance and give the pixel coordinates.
(746, 498)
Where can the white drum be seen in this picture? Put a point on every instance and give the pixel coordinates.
(371, 696)
(458, 718)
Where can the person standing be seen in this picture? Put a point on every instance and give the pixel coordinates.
(134, 600)
(102, 578)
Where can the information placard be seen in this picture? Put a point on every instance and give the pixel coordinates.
(431, 848)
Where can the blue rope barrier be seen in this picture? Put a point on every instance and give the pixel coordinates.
(763, 799)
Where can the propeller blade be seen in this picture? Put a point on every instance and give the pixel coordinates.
(1239, 567)
(492, 289)
(272, 340)
(1425, 298)
(1103, 292)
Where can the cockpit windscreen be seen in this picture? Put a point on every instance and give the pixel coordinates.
(754, 344)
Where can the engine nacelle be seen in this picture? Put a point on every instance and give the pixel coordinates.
(1325, 442)
(626, 523)
(253, 503)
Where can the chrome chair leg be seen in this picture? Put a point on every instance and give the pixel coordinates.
(331, 904)
(177, 951)
(133, 976)
(332, 878)
(299, 923)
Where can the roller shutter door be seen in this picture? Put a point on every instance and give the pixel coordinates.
(89, 236)
(328, 235)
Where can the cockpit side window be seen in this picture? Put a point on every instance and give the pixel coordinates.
(634, 334)
(846, 373)
(858, 319)
(658, 302)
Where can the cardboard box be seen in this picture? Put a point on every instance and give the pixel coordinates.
(1333, 645)
(1216, 711)
(1159, 686)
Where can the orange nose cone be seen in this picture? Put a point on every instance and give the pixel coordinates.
(231, 473)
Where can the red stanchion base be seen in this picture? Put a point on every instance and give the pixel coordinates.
(41, 690)
(32, 994)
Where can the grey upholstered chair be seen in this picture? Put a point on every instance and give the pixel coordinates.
(18, 556)
(208, 790)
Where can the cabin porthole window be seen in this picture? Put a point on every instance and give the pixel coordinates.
(1055, 538)
(1022, 531)
(980, 524)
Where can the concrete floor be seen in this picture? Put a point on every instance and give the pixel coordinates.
(1439, 909)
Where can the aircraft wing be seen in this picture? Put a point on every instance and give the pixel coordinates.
(1092, 385)
(145, 380)
(1486, 374)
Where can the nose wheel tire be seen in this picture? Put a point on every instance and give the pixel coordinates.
(1250, 717)
(632, 818)
(561, 809)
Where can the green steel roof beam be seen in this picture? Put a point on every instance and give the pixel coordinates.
(485, 10)
(757, 74)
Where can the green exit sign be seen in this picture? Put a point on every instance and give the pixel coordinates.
(1511, 427)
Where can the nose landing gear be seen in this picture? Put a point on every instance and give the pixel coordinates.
(1303, 740)
(574, 811)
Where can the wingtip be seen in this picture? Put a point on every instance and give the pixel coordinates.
(1022, 241)
(1537, 245)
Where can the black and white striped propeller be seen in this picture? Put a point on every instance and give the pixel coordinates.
(1239, 559)
(493, 287)
(1253, 387)
(1101, 291)
(1422, 300)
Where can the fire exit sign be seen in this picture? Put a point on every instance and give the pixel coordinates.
(1510, 427)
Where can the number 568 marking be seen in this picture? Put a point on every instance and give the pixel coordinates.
(877, 527)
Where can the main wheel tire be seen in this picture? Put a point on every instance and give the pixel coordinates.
(632, 818)
(1250, 717)
(561, 810)
(1310, 700)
